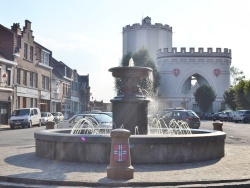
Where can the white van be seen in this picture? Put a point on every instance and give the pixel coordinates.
(25, 117)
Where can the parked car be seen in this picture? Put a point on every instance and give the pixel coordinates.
(101, 120)
(231, 115)
(108, 113)
(242, 115)
(216, 116)
(224, 116)
(58, 116)
(205, 116)
(188, 116)
(25, 117)
(46, 116)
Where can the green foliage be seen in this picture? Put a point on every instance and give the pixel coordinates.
(240, 97)
(125, 60)
(236, 75)
(204, 96)
(124, 63)
(229, 98)
(247, 91)
(142, 59)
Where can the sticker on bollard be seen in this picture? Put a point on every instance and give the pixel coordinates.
(120, 152)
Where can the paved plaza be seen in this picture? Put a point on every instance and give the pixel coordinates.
(20, 167)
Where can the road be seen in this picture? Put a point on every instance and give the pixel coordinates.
(237, 133)
(18, 136)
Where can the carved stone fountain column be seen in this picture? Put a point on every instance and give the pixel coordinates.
(130, 107)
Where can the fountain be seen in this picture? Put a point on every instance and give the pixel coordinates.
(130, 106)
(155, 145)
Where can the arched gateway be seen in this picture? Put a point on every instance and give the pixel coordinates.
(182, 72)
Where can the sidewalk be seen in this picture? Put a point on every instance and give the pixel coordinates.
(4, 126)
(20, 165)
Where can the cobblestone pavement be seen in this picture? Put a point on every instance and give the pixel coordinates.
(20, 167)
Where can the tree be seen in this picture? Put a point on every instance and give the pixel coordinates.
(124, 63)
(142, 59)
(204, 96)
(236, 75)
(247, 91)
(229, 98)
(239, 95)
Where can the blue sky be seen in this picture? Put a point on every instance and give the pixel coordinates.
(87, 35)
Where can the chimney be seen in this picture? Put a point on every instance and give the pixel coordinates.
(16, 28)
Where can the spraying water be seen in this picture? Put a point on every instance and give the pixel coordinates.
(157, 126)
(131, 63)
(89, 125)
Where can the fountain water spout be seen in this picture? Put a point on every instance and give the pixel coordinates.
(131, 63)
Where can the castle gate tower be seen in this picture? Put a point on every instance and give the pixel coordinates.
(183, 72)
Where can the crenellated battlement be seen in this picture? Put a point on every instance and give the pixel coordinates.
(143, 26)
(161, 53)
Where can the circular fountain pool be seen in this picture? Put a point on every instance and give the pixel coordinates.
(201, 145)
(130, 110)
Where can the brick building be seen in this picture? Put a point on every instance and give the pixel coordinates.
(7, 69)
(31, 77)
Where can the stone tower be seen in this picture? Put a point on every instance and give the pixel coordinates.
(151, 37)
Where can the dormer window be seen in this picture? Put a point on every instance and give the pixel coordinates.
(45, 57)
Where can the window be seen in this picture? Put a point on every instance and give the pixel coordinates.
(72, 85)
(35, 79)
(31, 79)
(8, 72)
(65, 89)
(35, 111)
(18, 102)
(56, 86)
(31, 102)
(18, 76)
(45, 57)
(31, 53)
(45, 83)
(4, 77)
(25, 50)
(24, 102)
(53, 107)
(25, 77)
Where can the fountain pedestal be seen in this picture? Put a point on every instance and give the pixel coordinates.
(131, 114)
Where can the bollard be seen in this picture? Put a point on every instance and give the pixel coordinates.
(120, 159)
(218, 126)
(50, 125)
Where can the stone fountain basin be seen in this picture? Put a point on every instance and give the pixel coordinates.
(202, 145)
(130, 72)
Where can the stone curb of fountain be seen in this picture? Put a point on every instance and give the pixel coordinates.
(25, 182)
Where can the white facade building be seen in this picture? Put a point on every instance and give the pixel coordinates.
(182, 72)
